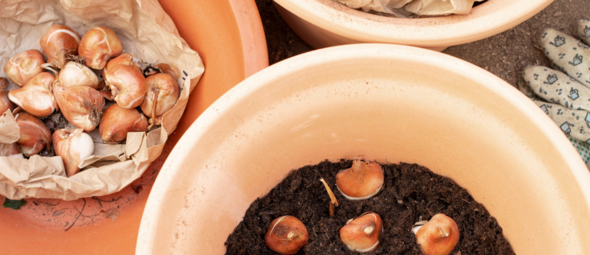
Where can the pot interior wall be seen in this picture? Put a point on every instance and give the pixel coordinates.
(385, 110)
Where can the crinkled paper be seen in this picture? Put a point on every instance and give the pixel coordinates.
(147, 33)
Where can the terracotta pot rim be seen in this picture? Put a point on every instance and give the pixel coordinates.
(485, 20)
(242, 91)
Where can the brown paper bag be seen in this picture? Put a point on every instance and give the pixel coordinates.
(147, 33)
(404, 8)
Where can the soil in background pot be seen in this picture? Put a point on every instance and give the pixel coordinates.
(411, 193)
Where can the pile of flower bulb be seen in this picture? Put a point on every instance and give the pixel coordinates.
(64, 78)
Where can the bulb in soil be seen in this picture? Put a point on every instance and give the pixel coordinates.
(24, 66)
(161, 96)
(34, 135)
(286, 235)
(5, 103)
(125, 81)
(76, 74)
(36, 97)
(59, 43)
(362, 234)
(82, 106)
(118, 121)
(73, 146)
(99, 45)
(361, 181)
(438, 236)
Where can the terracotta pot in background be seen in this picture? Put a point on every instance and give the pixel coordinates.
(324, 23)
(377, 102)
(229, 37)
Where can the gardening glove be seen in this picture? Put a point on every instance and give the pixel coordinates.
(565, 97)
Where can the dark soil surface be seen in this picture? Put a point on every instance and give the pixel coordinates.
(411, 193)
(281, 41)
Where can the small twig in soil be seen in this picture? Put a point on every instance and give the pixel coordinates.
(80, 213)
(47, 203)
(59, 212)
(106, 201)
(86, 216)
(333, 200)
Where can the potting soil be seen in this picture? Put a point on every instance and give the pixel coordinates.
(411, 193)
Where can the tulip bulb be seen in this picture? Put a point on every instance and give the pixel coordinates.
(59, 43)
(34, 135)
(73, 146)
(362, 234)
(161, 96)
(439, 236)
(99, 45)
(123, 59)
(125, 81)
(82, 106)
(36, 97)
(76, 74)
(286, 235)
(24, 66)
(5, 103)
(361, 181)
(118, 121)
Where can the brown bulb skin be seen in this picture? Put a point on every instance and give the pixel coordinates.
(123, 59)
(24, 66)
(125, 81)
(58, 43)
(286, 235)
(36, 97)
(99, 45)
(161, 96)
(439, 236)
(34, 135)
(361, 181)
(5, 103)
(80, 105)
(362, 234)
(118, 121)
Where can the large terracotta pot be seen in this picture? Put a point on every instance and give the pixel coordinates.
(378, 102)
(229, 37)
(324, 23)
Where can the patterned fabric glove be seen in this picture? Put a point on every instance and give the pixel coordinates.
(564, 96)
